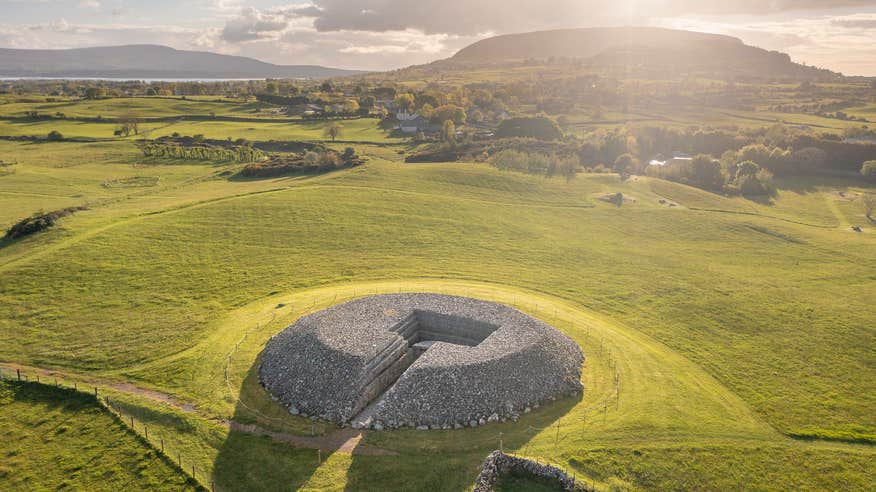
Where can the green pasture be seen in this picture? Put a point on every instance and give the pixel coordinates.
(153, 107)
(356, 130)
(55, 439)
(730, 324)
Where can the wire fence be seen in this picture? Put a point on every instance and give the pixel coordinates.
(165, 449)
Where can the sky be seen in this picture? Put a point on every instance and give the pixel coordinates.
(388, 34)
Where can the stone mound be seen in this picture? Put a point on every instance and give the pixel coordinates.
(419, 360)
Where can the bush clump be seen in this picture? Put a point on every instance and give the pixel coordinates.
(538, 127)
(39, 222)
(306, 162)
(535, 163)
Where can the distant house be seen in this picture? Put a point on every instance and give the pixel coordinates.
(305, 110)
(411, 122)
(677, 158)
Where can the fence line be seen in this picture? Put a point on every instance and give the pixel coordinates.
(127, 421)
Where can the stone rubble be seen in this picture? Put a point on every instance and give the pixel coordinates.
(363, 362)
(499, 463)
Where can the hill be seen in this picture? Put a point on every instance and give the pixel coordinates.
(149, 62)
(640, 48)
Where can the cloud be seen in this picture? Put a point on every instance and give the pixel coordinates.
(856, 23)
(386, 34)
(252, 24)
(89, 4)
(468, 17)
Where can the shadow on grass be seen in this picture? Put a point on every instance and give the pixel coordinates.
(254, 456)
(439, 460)
(267, 449)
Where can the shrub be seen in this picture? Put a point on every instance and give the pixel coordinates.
(349, 155)
(540, 127)
(757, 184)
(535, 163)
(240, 153)
(705, 172)
(624, 164)
(38, 222)
(55, 136)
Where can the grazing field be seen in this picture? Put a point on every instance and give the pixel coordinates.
(358, 130)
(717, 352)
(153, 107)
(56, 439)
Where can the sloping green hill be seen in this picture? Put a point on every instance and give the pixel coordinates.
(55, 439)
(731, 325)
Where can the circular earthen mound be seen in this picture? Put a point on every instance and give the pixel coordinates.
(419, 360)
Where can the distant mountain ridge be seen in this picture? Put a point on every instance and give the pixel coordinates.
(149, 62)
(641, 47)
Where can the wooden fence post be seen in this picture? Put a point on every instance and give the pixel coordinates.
(18, 371)
(146, 431)
(162, 445)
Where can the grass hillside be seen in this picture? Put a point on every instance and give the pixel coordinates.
(718, 317)
(55, 439)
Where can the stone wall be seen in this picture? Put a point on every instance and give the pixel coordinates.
(499, 463)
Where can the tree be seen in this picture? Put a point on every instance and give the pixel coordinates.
(540, 127)
(868, 170)
(449, 112)
(55, 136)
(746, 168)
(367, 102)
(808, 159)
(94, 93)
(757, 153)
(351, 106)
(624, 164)
(705, 172)
(404, 102)
(349, 155)
(448, 131)
(333, 131)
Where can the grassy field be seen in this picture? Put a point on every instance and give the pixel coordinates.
(730, 324)
(56, 439)
(357, 130)
(153, 107)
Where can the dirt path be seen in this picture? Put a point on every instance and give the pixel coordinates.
(344, 440)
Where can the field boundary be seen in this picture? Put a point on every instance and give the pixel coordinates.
(128, 422)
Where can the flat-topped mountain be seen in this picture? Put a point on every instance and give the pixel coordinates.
(638, 47)
(149, 62)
